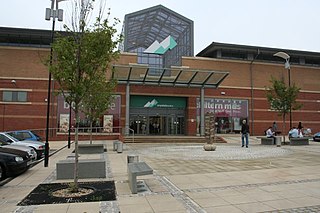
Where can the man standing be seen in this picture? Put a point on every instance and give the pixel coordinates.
(245, 133)
(274, 128)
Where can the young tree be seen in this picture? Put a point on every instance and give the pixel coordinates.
(81, 60)
(97, 102)
(282, 99)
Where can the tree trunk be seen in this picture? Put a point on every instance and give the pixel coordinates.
(90, 131)
(76, 161)
(284, 127)
(77, 102)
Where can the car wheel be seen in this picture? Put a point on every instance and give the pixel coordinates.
(2, 173)
(38, 157)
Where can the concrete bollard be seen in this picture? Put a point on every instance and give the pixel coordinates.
(115, 143)
(278, 141)
(119, 147)
(133, 158)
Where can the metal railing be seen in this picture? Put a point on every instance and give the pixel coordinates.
(96, 131)
(131, 130)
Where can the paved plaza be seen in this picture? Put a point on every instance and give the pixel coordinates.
(188, 179)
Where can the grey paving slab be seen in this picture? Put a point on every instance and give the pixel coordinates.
(188, 179)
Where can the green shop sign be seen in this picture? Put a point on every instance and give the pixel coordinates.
(157, 102)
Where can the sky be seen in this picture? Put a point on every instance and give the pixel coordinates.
(285, 24)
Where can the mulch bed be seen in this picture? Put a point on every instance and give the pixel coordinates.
(42, 194)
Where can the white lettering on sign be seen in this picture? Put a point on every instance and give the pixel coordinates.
(112, 106)
(236, 106)
(209, 104)
(65, 105)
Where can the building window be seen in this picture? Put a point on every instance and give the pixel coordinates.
(14, 96)
(228, 113)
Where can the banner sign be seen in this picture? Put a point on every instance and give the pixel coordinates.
(64, 123)
(64, 110)
(108, 123)
(224, 107)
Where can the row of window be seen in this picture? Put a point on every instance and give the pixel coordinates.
(244, 55)
(14, 96)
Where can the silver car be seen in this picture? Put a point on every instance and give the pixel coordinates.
(36, 145)
(31, 152)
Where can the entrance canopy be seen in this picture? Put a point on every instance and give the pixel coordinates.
(174, 76)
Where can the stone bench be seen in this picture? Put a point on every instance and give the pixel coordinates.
(88, 168)
(267, 141)
(299, 141)
(134, 170)
(91, 148)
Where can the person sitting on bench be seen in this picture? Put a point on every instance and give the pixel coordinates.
(270, 134)
(294, 133)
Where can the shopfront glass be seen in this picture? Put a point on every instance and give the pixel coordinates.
(157, 115)
(228, 113)
(157, 125)
(109, 122)
(175, 125)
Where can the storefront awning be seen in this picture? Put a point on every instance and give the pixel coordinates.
(175, 76)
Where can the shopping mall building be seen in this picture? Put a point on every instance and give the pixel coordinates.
(163, 87)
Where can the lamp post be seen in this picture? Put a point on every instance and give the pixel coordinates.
(4, 112)
(252, 93)
(286, 57)
(51, 13)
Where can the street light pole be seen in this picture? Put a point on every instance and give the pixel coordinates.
(290, 114)
(51, 13)
(286, 57)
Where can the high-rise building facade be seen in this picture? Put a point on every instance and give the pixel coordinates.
(143, 28)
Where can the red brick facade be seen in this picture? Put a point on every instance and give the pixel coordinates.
(246, 81)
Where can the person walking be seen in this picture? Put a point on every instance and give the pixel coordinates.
(245, 133)
(274, 128)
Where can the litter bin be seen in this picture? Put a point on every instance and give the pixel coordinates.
(115, 145)
(278, 141)
(119, 147)
(133, 158)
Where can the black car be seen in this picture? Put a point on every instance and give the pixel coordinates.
(13, 162)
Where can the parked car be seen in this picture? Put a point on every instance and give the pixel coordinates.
(31, 152)
(13, 162)
(25, 135)
(316, 137)
(36, 145)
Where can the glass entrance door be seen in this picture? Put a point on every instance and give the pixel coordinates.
(157, 121)
(175, 125)
(157, 125)
(139, 125)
